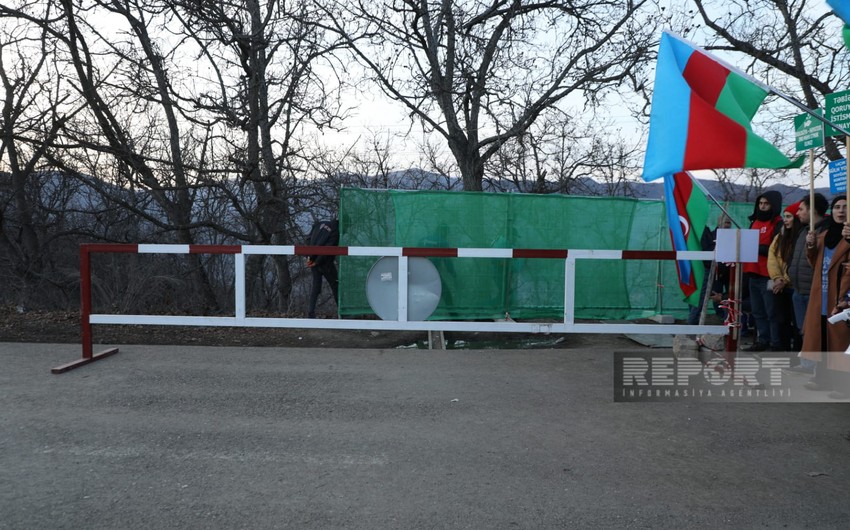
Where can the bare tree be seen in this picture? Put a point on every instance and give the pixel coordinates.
(199, 107)
(18, 234)
(265, 84)
(32, 203)
(560, 154)
(481, 73)
(133, 77)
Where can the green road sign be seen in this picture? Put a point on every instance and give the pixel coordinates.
(808, 131)
(838, 111)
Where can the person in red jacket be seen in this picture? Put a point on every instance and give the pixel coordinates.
(766, 220)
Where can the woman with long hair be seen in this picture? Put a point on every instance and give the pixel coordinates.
(779, 256)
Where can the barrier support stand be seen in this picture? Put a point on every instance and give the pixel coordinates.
(85, 324)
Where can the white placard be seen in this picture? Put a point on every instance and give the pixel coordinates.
(725, 251)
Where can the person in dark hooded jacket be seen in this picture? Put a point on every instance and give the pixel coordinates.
(323, 233)
(766, 220)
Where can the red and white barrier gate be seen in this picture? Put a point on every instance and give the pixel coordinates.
(241, 320)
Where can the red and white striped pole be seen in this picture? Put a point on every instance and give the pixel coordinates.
(87, 318)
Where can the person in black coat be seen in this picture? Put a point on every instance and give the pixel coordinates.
(323, 233)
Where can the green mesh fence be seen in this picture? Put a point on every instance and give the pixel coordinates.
(476, 288)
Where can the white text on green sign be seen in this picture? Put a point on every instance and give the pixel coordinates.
(838, 111)
(808, 131)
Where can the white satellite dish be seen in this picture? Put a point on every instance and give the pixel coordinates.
(423, 288)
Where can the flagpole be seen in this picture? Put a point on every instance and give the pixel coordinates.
(811, 190)
(735, 281)
(807, 110)
(708, 283)
(710, 196)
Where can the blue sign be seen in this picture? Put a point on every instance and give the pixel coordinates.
(838, 176)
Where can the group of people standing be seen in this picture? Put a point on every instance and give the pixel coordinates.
(802, 277)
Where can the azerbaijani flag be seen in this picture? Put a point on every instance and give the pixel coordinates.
(687, 213)
(701, 113)
(842, 9)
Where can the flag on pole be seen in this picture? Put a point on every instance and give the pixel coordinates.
(841, 8)
(701, 114)
(687, 214)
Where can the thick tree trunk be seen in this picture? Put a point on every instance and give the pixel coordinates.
(469, 163)
(472, 173)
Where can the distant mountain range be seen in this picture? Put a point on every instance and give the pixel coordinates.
(417, 179)
(730, 192)
(83, 198)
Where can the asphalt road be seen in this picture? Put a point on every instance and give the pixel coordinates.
(198, 437)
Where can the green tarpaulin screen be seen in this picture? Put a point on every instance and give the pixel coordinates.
(483, 288)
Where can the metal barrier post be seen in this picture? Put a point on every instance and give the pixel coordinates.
(85, 320)
(239, 285)
(402, 288)
(569, 291)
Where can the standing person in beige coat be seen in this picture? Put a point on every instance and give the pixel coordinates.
(824, 343)
(779, 256)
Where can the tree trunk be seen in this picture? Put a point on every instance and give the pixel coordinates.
(470, 165)
(272, 205)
